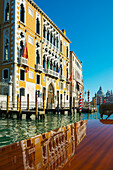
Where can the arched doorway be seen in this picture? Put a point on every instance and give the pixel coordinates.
(50, 96)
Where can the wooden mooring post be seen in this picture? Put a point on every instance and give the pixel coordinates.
(37, 116)
(20, 111)
(70, 112)
(7, 105)
(17, 102)
(28, 102)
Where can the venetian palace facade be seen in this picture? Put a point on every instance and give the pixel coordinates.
(45, 65)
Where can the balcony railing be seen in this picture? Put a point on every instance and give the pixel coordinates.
(50, 45)
(50, 73)
(62, 77)
(23, 61)
(38, 67)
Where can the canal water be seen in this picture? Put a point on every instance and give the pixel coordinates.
(13, 130)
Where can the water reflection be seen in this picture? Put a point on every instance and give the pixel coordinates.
(48, 151)
(13, 130)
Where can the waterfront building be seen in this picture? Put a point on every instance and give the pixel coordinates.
(77, 76)
(34, 54)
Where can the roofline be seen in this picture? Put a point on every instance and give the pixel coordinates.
(40, 10)
(76, 57)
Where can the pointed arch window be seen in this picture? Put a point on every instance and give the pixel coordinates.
(57, 67)
(44, 31)
(67, 51)
(61, 70)
(7, 12)
(54, 42)
(48, 35)
(54, 66)
(51, 38)
(60, 45)
(38, 26)
(57, 42)
(21, 48)
(22, 13)
(6, 57)
(37, 57)
(44, 62)
(51, 64)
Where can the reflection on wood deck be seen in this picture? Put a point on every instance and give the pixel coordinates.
(96, 150)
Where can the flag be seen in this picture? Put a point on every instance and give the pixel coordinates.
(71, 79)
(48, 63)
(27, 69)
(25, 52)
(59, 68)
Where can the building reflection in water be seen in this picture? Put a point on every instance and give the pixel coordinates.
(48, 151)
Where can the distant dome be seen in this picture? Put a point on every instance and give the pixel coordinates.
(108, 93)
(100, 93)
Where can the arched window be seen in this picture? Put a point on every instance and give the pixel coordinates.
(48, 35)
(67, 51)
(22, 91)
(7, 12)
(38, 26)
(54, 66)
(57, 42)
(51, 64)
(54, 43)
(44, 62)
(44, 31)
(6, 50)
(60, 45)
(37, 57)
(51, 38)
(57, 67)
(21, 48)
(22, 13)
(61, 70)
(67, 72)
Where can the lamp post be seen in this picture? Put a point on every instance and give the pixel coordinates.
(64, 97)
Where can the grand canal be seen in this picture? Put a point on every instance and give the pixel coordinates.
(13, 130)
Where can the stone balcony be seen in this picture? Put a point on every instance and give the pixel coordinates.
(38, 67)
(62, 77)
(23, 61)
(50, 73)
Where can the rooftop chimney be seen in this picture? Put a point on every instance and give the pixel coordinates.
(64, 32)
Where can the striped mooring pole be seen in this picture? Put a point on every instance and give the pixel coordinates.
(100, 100)
(36, 104)
(95, 100)
(88, 99)
(80, 102)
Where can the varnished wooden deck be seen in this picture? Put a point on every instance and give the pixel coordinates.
(96, 150)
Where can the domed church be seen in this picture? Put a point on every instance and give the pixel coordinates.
(100, 92)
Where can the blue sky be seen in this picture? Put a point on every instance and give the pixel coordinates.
(89, 26)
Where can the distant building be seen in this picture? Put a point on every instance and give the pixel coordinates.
(108, 97)
(76, 70)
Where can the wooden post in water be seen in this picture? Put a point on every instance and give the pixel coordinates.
(88, 100)
(70, 106)
(74, 104)
(80, 102)
(58, 105)
(95, 101)
(20, 106)
(36, 104)
(17, 102)
(44, 102)
(7, 104)
(28, 102)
